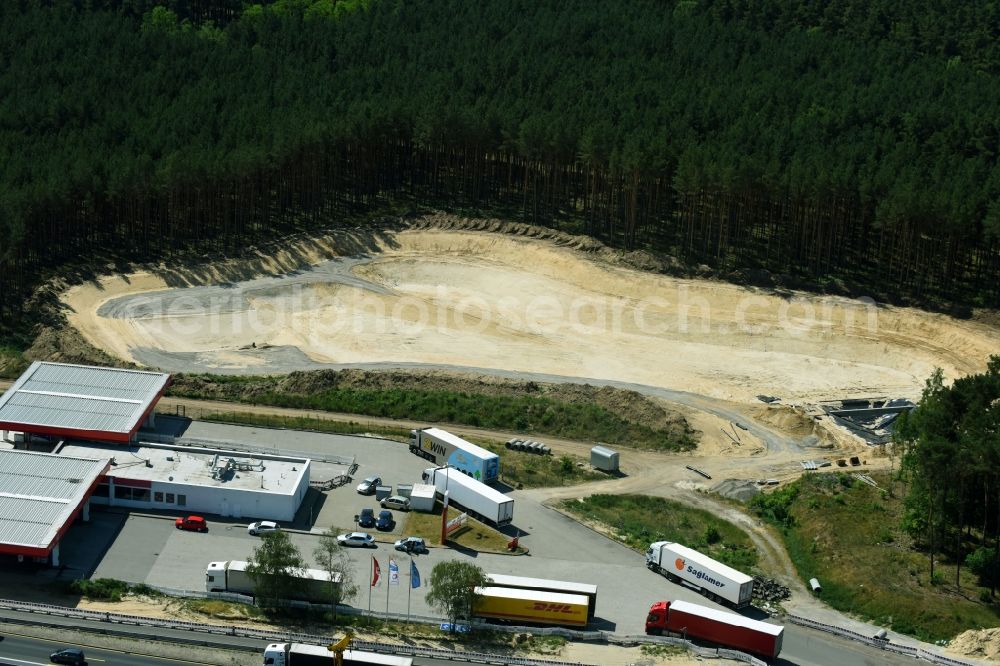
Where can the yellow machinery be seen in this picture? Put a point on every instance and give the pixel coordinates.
(338, 648)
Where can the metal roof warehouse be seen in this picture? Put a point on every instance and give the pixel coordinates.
(81, 402)
(40, 496)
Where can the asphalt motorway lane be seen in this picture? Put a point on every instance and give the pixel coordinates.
(22, 651)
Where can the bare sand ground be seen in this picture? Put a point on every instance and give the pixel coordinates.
(487, 300)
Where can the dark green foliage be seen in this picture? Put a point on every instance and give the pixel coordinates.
(848, 145)
(527, 414)
(952, 462)
(100, 589)
(776, 507)
(640, 520)
(983, 563)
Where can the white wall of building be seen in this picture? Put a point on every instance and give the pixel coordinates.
(219, 500)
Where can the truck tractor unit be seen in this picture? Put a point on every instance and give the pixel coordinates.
(300, 654)
(713, 579)
(717, 626)
(478, 499)
(443, 448)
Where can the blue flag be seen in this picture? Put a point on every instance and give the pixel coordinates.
(414, 575)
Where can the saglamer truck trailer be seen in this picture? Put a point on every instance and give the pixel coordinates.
(532, 606)
(710, 624)
(299, 654)
(478, 499)
(443, 448)
(232, 576)
(713, 579)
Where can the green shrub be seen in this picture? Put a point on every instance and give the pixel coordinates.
(983, 563)
(100, 589)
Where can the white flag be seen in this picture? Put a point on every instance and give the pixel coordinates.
(393, 573)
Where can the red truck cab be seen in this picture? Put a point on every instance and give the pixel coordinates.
(710, 624)
(192, 523)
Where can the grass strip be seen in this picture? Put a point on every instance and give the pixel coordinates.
(516, 413)
(639, 520)
(847, 534)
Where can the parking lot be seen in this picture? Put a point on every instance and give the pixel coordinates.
(389, 460)
(148, 549)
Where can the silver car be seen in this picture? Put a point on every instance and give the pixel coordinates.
(396, 502)
(357, 540)
(262, 527)
(368, 486)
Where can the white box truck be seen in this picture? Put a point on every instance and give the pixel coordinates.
(232, 576)
(443, 448)
(300, 654)
(712, 578)
(478, 499)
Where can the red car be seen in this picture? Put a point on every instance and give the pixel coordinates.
(193, 523)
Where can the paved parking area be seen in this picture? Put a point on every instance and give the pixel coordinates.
(149, 549)
(380, 457)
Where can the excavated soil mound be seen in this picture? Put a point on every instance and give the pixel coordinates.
(977, 643)
(740, 490)
(453, 293)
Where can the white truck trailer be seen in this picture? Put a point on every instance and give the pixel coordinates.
(443, 448)
(232, 576)
(478, 499)
(300, 654)
(713, 579)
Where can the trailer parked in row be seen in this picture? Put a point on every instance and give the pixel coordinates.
(232, 576)
(478, 499)
(718, 626)
(443, 448)
(714, 579)
(518, 606)
(545, 585)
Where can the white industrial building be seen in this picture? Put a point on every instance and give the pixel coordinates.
(197, 480)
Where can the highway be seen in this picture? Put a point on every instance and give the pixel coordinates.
(23, 651)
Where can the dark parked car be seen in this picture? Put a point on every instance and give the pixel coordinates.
(385, 521)
(367, 518)
(72, 656)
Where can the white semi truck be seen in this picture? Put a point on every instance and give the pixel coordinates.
(713, 579)
(443, 448)
(478, 499)
(300, 654)
(232, 576)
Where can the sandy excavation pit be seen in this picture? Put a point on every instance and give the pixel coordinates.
(484, 300)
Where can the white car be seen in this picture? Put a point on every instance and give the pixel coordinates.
(357, 540)
(262, 527)
(368, 486)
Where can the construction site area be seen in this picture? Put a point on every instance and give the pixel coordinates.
(772, 381)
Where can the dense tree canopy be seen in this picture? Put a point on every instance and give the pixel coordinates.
(840, 141)
(952, 461)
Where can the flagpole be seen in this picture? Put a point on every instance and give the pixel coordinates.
(388, 584)
(409, 590)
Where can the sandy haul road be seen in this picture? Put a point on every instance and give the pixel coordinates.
(493, 301)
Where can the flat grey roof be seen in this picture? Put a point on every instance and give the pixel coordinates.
(194, 466)
(80, 400)
(39, 493)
